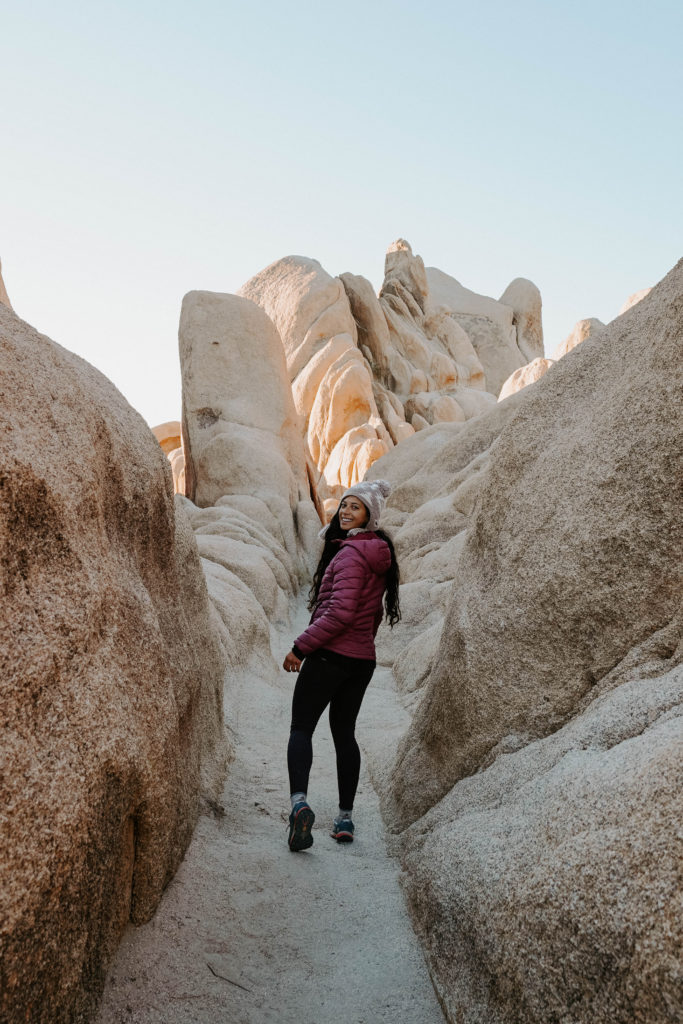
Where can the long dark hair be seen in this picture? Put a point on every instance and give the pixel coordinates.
(334, 532)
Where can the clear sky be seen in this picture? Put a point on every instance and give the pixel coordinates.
(151, 148)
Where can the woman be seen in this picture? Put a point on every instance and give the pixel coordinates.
(357, 567)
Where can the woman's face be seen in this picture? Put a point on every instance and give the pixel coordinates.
(352, 513)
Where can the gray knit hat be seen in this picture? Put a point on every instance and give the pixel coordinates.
(373, 494)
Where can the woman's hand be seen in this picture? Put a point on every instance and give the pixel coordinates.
(291, 663)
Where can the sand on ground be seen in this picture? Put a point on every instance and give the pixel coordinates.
(250, 933)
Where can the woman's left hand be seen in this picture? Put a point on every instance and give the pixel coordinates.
(291, 663)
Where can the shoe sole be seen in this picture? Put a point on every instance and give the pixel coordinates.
(300, 837)
(343, 837)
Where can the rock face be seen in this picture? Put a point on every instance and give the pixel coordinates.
(256, 526)
(504, 337)
(434, 368)
(548, 886)
(4, 297)
(331, 384)
(168, 435)
(526, 375)
(170, 438)
(556, 554)
(436, 476)
(112, 677)
(177, 460)
(367, 371)
(581, 330)
(542, 766)
(424, 365)
(525, 299)
(241, 433)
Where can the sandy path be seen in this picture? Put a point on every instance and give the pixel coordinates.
(249, 933)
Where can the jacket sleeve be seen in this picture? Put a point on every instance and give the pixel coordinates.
(350, 576)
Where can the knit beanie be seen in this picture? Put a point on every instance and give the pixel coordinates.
(373, 494)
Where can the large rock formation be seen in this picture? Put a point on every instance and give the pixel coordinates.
(367, 370)
(241, 432)
(256, 526)
(331, 384)
(505, 333)
(436, 476)
(425, 367)
(542, 766)
(556, 555)
(112, 677)
(548, 887)
(525, 300)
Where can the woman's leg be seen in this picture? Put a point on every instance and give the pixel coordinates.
(314, 687)
(344, 707)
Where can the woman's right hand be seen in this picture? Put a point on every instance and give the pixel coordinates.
(291, 662)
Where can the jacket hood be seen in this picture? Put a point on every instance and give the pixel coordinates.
(375, 550)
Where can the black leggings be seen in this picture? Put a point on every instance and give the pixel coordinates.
(328, 678)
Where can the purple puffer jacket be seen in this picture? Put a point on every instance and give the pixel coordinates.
(349, 609)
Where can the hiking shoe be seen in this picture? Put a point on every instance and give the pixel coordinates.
(300, 824)
(342, 830)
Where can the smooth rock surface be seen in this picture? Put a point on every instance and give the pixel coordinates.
(371, 324)
(168, 435)
(177, 461)
(525, 299)
(112, 677)
(490, 325)
(331, 382)
(241, 433)
(526, 375)
(581, 330)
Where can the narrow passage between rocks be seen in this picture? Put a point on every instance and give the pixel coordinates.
(250, 933)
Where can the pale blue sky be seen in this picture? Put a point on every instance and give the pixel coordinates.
(151, 148)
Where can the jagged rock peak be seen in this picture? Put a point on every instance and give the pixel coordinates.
(405, 272)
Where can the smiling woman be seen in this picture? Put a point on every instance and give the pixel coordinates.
(357, 569)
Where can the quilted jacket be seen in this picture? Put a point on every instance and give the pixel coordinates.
(349, 609)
